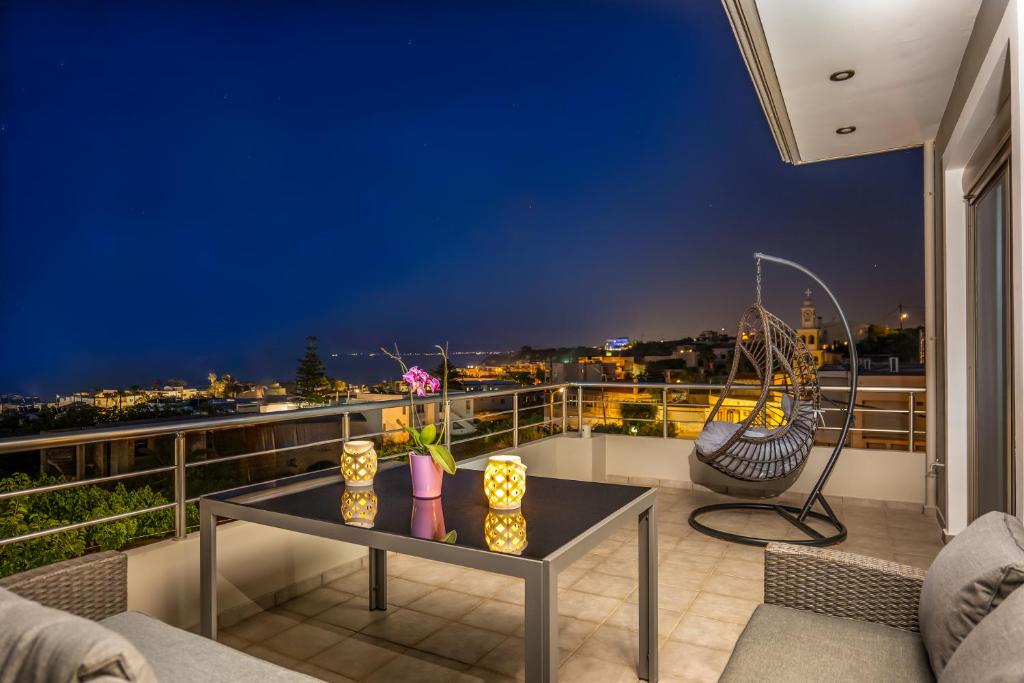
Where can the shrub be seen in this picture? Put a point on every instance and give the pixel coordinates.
(36, 512)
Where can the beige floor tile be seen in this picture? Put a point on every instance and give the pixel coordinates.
(460, 642)
(605, 584)
(273, 656)
(356, 583)
(749, 553)
(570, 576)
(725, 584)
(316, 601)
(693, 546)
(354, 615)
(586, 606)
(304, 640)
(628, 616)
(506, 658)
(669, 597)
(323, 674)
(718, 635)
(613, 644)
(753, 571)
(403, 592)
(693, 662)
(493, 615)
(724, 607)
(583, 669)
(446, 603)
(435, 574)
(477, 675)
(514, 593)
(482, 584)
(412, 667)
(261, 626)
(623, 567)
(405, 626)
(354, 658)
(232, 641)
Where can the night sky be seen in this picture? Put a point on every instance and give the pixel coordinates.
(197, 186)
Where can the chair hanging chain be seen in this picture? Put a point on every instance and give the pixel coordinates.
(758, 281)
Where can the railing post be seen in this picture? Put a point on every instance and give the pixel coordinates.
(448, 425)
(565, 410)
(910, 421)
(346, 428)
(664, 413)
(515, 420)
(579, 408)
(180, 488)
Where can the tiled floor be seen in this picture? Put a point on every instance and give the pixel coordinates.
(452, 624)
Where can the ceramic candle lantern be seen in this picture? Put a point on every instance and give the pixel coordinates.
(505, 531)
(359, 506)
(358, 463)
(505, 482)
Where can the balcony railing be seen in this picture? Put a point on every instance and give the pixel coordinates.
(476, 423)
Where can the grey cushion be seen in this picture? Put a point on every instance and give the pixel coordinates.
(783, 644)
(975, 572)
(992, 653)
(717, 433)
(178, 655)
(42, 644)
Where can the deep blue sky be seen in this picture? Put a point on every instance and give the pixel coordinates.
(190, 186)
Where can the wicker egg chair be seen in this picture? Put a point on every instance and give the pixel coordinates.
(775, 439)
(771, 446)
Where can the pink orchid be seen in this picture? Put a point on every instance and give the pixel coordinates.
(420, 381)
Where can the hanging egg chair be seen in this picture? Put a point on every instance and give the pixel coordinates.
(769, 448)
(775, 439)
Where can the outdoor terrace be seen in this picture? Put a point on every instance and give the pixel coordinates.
(302, 601)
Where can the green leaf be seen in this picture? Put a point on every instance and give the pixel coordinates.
(414, 434)
(442, 457)
(450, 537)
(428, 434)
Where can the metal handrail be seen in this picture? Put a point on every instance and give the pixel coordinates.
(180, 429)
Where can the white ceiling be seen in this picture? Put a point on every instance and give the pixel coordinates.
(906, 54)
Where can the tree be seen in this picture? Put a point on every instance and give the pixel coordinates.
(311, 375)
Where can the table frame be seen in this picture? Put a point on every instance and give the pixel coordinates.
(540, 576)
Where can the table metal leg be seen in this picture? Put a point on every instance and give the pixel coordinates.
(648, 567)
(378, 579)
(541, 650)
(207, 571)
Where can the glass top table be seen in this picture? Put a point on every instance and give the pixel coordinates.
(559, 521)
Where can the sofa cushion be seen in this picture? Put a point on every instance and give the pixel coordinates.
(992, 652)
(975, 572)
(783, 644)
(43, 644)
(178, 655)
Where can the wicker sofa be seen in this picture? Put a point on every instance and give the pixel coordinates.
(834, 616)
(96, 587)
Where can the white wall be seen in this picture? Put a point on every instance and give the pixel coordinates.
(978, 113)
(860, 473)
(254, 562)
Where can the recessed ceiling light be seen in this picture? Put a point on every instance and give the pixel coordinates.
(844, 75)
(845, 130)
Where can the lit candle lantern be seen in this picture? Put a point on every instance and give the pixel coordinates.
(505, 531)
(359, 506)
(505, 482)
(358, 463)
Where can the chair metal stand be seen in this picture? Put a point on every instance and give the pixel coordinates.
(797, 516)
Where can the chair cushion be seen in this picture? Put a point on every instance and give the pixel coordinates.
(178, 655)
(43, 644)
(717, 433)
(969, 578)
(992, 651)
(783, 644)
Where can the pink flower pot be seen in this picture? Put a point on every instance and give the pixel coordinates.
(427, 519)
(427, 476)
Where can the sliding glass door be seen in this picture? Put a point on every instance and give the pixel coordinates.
(990, 354)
